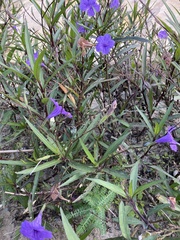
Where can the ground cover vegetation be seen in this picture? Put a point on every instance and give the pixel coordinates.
(90, 109)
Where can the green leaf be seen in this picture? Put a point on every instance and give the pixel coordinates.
(89, 155)
(71, 235)
(28, 46)
(41, 12)
(77, 175)
(19, 74)
(98, 82)
(144, 60)
(72, 27)
(167, 174)
(145, 186)
(84, 132)
(166, 200)
(177, 54)
(116, 189)
(50, 145)
(4, 38)
(123, 221)
(35, 184)
(156, 128)
(124, 39)
(134, 221)
(82, 167)
(113, 147)
(134, 178)
(40, 167)
(146, 121)
(16, 163)
(37, 66)
(177, 66)
(157, 208)
(174, 18)
(165, 117)
(116, 173)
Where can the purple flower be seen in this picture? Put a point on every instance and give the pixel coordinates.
(80, 28)
(36, 54)
(58, 110)
(89, 6)
(168, 138)
(15, 28)
(114, 4)
(105, 43)
(33, 230)
(162, 34)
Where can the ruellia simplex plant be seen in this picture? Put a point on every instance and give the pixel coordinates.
(90, 113)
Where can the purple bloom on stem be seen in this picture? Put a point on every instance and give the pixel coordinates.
(105, 43)
(36, 54)
(114, 4)
(89, 6)
(15, 28)
(168, 138)
(58, 110)
(162, 34)
(34, 230)
(80, 28)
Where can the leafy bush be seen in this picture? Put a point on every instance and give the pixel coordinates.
(85, 106)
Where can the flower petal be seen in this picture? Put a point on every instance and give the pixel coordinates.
(114, 4)
(165, 139)
(34, 231)
(89, 6)
(174, 147)
(104, 44)
(27, 229)
(58, 110)
(38, 220)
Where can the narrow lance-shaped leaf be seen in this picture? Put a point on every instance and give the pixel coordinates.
(134, 178)
(165, 117)
(146, 186)
(39, 168)
(112, 148)
(70, 233)
(28, 46)
(123, 221)
(88, 153)
(52, 146)
(110, 186)
(146, 120)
